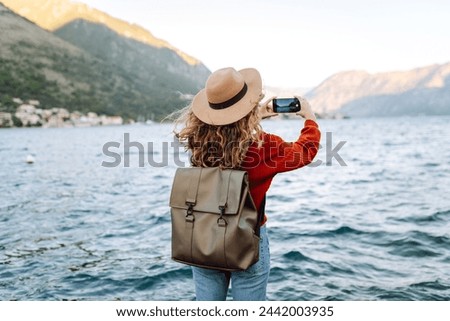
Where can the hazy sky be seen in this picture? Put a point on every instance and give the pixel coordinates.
(297, 43)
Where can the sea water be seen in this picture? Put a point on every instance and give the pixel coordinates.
(89, 218)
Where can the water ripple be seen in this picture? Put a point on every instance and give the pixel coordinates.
(376, 229)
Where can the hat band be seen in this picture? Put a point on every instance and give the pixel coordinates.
(230, 101)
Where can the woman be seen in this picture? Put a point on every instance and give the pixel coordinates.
(222, 128)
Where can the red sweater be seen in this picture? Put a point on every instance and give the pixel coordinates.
(277, 156)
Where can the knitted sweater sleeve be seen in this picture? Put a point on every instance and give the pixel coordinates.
(285, 156)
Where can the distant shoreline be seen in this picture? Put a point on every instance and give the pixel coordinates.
(28, 114)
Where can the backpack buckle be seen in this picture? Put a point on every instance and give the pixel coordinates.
(221, 220)
(190, 212)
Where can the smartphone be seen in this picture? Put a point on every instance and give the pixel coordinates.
(286, 105)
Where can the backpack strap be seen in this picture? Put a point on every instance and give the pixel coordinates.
(224, 187)
(261, 211)
(194, 182)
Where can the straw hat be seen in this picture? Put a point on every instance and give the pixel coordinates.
(228, 96)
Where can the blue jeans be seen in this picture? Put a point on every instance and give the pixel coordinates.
(248, 285)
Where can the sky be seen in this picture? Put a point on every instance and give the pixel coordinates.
(297, 43)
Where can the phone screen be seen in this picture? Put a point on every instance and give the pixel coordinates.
(285, 105)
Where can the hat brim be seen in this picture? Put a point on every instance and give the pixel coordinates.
(201, 108)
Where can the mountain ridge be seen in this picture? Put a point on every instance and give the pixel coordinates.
(54, 14)
(147, 63)
(37, 64)
(134, 79)
(353, 88)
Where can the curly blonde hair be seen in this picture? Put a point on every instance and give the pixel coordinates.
(222, 146)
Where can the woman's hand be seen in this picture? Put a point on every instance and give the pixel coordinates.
(305, 111)
(265, 109)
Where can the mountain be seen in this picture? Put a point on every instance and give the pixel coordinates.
(90, 66)
(35, 64)
(157, 67)
(360, 94)
(53, 14)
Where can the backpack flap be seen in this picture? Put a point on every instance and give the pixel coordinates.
(209, 188)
